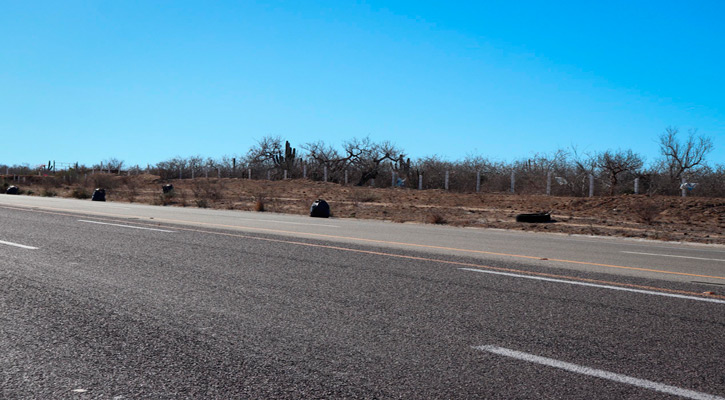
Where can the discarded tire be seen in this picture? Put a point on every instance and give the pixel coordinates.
(99, 195)
(12, 190)
(535, 217)
(168, 188)
(320, 209)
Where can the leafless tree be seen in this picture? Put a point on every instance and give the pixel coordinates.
(579, 165)
(682, 157)
(613, 163)
(262, 154)
(324, 154)
(367, 156)
(111, 164)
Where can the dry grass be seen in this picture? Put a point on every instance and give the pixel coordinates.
(647, 211)
(703, 219)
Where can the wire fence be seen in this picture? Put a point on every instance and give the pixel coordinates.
(516, 178)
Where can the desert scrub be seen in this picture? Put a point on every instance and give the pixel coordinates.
(80, 192)
(205, 189)
(259, 200)
(436, 218)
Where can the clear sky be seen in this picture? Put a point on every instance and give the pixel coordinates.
(144, 81)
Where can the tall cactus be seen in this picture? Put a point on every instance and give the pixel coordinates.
(286, 161)
(402, 166)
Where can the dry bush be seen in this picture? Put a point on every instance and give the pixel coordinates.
(103, 180)
(80, 192)
(201, 203)
(259, 200)
(436, 218)
(647, 210)
(50, 182)
(205, 189)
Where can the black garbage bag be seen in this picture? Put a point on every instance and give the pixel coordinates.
(534, 217)
(320, 209)
(168, 188)
(99, 195)
(12, 190)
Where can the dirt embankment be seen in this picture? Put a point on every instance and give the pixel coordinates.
(691, 219)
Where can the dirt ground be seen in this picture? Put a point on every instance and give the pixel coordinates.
(691, 219)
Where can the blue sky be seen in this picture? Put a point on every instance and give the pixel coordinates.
(144, 81)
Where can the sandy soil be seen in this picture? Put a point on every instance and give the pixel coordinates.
(691, 219)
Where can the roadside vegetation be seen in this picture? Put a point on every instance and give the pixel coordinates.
(585, 193)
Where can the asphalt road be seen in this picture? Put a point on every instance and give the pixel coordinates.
(125, 301)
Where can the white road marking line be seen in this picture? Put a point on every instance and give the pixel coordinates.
(125, 226)
(22, 246)
(670, 255)
(596, 285)
(598, 373)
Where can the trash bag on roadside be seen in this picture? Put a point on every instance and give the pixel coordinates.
(99, 195)
(534, 217)
(12, 190)
(320, 209)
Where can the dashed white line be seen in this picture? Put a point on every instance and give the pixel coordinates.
(596, 285)
(22, 246)
(598, 373)
(126, 226)
(672, 255)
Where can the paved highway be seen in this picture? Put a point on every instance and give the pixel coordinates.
(124, 301)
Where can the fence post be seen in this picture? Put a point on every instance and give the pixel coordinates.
(548, 183)
(192, 171)
(206, 172)
(304, 171)
(218, 172)
(269, 175)
(591, 185)
(249, 174)
(345, 177)
(513, 181)
(636, 185)
(180, 177)
(285, 174)
(420, 182)
(324, 170)
(372, 182)
(392, 179)
(446, 181)
(478, 181)
(683, 188)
